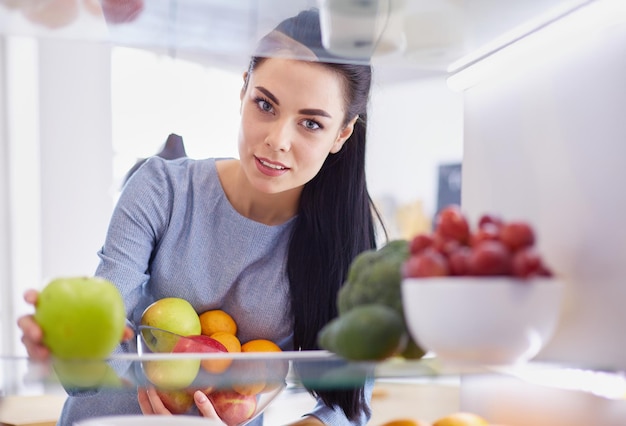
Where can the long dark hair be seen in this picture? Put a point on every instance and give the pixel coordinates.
(335, 220)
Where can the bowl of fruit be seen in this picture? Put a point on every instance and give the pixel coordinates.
(240, 380)
(482, 296)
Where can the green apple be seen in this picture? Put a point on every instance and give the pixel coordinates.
(171, 374)
(81, 317)
(86, 374)
(174, 315)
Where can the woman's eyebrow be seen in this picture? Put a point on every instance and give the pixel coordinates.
(268, 94)
(312, 111)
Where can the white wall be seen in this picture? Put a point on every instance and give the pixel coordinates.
(58, 175)
(415, 126)
(547, 145)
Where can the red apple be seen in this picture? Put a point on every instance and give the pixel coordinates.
(204, 344)
(176, 401)
(232, 407)
(429, 263)
(121, 11)
(516, 235)
(452, 223)
(490, 258)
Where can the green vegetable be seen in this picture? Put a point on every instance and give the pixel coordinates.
(368, 332)
(375, 277)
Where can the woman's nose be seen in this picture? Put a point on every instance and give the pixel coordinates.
(279, 136)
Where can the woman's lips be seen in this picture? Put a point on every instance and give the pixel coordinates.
(270, 168)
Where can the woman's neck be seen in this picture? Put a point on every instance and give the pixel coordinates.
(269, 209)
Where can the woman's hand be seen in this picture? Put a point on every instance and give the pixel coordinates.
(307, 421)
(150, 403)
(32, 335)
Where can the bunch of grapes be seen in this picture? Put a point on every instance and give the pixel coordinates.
(496, 247)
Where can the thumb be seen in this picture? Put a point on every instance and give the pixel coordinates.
(204, 405)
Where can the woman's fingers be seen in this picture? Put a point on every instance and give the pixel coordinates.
(204, 405)
(150, 402)
(128, 334)
(30, 296)
(32, 336)
(144, 401)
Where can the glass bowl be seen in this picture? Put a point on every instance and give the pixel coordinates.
(482, 320)
(239, 385)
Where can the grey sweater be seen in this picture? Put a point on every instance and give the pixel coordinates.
(173, 233)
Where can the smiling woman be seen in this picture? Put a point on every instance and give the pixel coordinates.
(267, 237)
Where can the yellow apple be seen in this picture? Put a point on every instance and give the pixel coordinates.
(172, 314)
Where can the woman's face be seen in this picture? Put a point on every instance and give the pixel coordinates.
(292, 116)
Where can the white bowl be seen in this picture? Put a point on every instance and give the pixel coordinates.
(482, 320)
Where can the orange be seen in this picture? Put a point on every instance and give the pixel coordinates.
(461, 419)
(260, 345)
(404, 422)
(217, 320)
(230, 341)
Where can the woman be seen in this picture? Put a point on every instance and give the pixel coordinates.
(267, 238)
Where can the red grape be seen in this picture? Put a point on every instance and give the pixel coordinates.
(490, 258)
(516, 235)
(428, 263)
(488, 231)
(451, 223)
(458, 261)
(420, 242)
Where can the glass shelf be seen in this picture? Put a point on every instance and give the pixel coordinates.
(310, 369)
(415, 34)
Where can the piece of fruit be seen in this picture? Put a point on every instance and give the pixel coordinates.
(52, 14)
(461, 419)
(367, 332)
(260, 345)
(405, 422)
(81, 317)
(217, 320)
(490, 258)
(171, 314)
(516, 235)
(428, 263)
(204, 344)
(176, 401)
(458, 261)
(121, 11)
(420, 242)
(232, 407)
(488, 231)
(452, 223)
(490, 219)
(230, 341)
(171, 374)
(89, 374)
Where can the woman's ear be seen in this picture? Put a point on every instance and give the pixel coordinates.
(343, 135)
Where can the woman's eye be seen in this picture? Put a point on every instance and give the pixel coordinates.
(311, 125)
(264, 105)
